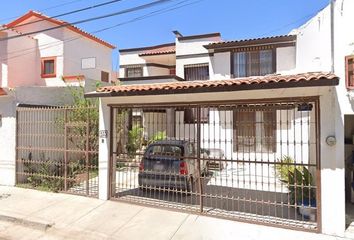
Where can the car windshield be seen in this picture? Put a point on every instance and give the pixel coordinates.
(165, 150)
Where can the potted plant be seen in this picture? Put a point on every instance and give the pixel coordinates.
(300, 182)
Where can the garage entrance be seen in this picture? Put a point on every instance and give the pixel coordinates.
(254, 161)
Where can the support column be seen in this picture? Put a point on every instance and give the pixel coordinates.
(104, 152)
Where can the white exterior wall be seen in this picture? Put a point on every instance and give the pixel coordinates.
(88, 49)
(221, 66)
(314, 54)
(133, 58)
(50, 44)
(156, 71)
(19, 61)
(7, 141)
(192, 47)
(63, 44)
(286, 60)
(314, 44)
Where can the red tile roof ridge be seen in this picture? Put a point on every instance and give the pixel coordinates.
(58, 22)
(272, 78)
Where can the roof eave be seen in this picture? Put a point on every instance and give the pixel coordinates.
(321, 82)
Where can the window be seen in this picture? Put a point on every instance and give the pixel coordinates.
(255, 131)
(196, 72)
(48, 67)
(190, 116)
(255, 63)
(134, 72)
(349, 72)
(88, 63)
(104, 76)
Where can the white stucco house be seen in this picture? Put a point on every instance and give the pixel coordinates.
(35, 68)
(256, 99)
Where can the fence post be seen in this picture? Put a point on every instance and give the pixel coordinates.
(87, 152)
(200, 189)
(65, 150)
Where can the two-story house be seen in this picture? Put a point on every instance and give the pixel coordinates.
(243, 104)
(52, 55)
(261, 103)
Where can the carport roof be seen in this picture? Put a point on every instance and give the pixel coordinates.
(274, 81)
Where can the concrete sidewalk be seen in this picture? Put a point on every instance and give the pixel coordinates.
(30, 214)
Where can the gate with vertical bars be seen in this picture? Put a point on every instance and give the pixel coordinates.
(254, 161)
(57, 149)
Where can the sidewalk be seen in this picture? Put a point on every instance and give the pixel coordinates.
(29, 214)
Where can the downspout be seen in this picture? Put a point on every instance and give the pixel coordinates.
(332, 34)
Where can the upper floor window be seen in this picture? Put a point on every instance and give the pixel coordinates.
(48, 67)
(134, 72)
(254, 63)
(104, 76)
(196, 72)
(349, 71)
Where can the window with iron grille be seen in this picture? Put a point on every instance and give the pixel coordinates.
(134, 72)
(104, 76)
(196, 72)
(349, 72)
(255, 131)
(190, 115)
(253, 63)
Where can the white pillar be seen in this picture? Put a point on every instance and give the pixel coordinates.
(332, 166)
(7, 141)
(103, 157)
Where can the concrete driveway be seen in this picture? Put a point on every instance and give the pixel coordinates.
(30, 214)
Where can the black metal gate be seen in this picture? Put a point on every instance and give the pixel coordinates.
(254, 161)
(57, 149)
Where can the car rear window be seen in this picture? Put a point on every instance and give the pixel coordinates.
(165, 150)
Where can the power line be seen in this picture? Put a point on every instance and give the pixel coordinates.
(67, 13)
(151, 14)
(292, 23)
(133, 9)
(44, 9)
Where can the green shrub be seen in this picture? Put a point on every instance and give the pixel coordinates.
(298, 178)
(135, 140)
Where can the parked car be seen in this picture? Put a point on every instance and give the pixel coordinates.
(169, 164)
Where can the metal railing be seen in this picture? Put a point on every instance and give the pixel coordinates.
(57, 149)
(255, 161)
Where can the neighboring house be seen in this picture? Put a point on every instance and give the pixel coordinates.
(36, 68)
(168, 82)
(51, 56)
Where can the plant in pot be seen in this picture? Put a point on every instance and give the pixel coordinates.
(300, 185)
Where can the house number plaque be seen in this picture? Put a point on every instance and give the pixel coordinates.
(103, 133)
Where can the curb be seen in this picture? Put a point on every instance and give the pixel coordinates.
(43, 226)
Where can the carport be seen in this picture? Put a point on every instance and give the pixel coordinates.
(251, 147)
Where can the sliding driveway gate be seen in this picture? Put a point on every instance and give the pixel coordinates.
(255, 161)
(57, 149)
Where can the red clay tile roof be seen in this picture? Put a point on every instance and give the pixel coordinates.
(166, 48)
(248, 83)
(281, 38)
(159, 51)
(58, 22)
(2, 92)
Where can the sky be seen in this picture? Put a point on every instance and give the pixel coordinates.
(234, 19)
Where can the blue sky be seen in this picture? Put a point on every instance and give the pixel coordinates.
(234, 19)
